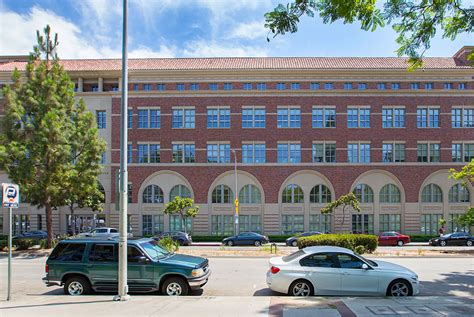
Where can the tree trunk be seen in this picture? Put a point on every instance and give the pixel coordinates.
(343, 215)
(49, 225)
(183, 223)
(73, 221)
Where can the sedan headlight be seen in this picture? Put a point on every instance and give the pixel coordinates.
(414, 278)
(197, 272)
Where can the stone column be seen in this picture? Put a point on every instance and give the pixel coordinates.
(101, 84)
(80, 84)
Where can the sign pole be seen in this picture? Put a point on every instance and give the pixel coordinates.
(10, 231)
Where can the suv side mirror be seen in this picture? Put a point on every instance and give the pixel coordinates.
(143, 259)
(365, 266)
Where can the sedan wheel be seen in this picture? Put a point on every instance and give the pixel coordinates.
(442, 243)
(230, 243)
(469, 243)
(399, 288)
(257, 243)
(300, 288)
(294, 243)
(400, 243)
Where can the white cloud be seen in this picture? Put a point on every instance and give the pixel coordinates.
(249, 31)
(203, 48)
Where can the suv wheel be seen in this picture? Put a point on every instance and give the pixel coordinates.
(175, 286)
(77, 285)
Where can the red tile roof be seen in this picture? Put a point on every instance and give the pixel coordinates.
(249, 63)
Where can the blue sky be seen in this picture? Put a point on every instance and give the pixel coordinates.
(187, 28)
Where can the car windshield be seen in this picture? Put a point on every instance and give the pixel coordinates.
(291, 257)
(373, 263)
(154, 250)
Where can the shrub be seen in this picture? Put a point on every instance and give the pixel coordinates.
(360, 249)
(23, 244)
(280, 237)
(207, 238)
(3, 236)
(422, 237)
(348, 241)
(3, 244)
(169, 244)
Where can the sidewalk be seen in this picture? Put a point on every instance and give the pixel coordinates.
(154, 305)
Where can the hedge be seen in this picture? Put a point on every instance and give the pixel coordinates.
(272, 238)
(422, 237)
(349, 241)
(24, 244)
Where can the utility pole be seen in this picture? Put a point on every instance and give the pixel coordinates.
(236, 201)
(123, 177)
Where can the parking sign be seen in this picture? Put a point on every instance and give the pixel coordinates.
(11, 195)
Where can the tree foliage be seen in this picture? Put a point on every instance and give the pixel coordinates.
(416, 22)
(466, 174)
(349, 200)
(48, 143)
(184, 207)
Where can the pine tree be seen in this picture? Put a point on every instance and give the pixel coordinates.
(47, 138)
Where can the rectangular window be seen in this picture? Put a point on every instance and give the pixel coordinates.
(320, 223)
(381, 86)
(247, 86)
(363, 223)
(103, 159)
(358, 152)
(194, 87)
(328, 86)
(261, 86)
(218, 118)
(324, 153)
(218, 153)
(288, 118)
(289, 153)
(155, 118)
(176, 224)
(183, 153)
(21, 223)
(149, 118)
(428, 86)
(430, 223)
(427, 117)
(390, 222)
(152, 224)
(414, 86)
(143, 118)
(462, 152)
(395, 86)
(154, 153)
(448, 86)
(323, 117)
(347, 86)
(129, 193)
(95, 88)
(422, 152)
(143, 154)
(362, 86)
(280, 86)
(147, 87)
(291, 224)
(456, 152)
(101, 118)
(461, 86)
(295, 86)
(135, 87)
(183, 118)
(227, 86)
(393, 152)
(222, 225)
(250, 223)
(462, 117)
(161, 87)
(129, 153)
(314, 86)
(358, 117)
(253, 153)
(213, 86)
(39, 222)
(180, 87)
(428, 152)
(393, 117)
(253, 117)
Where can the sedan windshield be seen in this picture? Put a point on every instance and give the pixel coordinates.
(154, 251)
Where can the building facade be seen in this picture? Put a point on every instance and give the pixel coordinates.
(303, 131)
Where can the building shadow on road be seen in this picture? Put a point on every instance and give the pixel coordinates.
(60, 292)
(4, 307)
(266, 292)
(449, 284)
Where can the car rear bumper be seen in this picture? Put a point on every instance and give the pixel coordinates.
(49, 282)
(198, 282)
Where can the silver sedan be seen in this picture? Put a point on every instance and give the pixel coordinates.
(327, 270)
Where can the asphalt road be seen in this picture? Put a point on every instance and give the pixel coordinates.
(449, 276)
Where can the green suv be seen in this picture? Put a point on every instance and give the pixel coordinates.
(85, 264)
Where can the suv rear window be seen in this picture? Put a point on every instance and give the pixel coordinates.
(68, 252)
(102, 253)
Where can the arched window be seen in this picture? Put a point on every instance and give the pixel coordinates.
(432, 193)
(152, 195)
(364, 193)
(459, 194)
(320, 194)
(250, 194)
(292, 194)
(180, 191)
(390, 194)
(222, 194)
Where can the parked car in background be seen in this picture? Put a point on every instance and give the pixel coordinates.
(181, 237)
(327, 270)
(84, 264)
(102, 232)
(246, 238)
(455, 238)
(393, 238)
(36, 235)
(293, 241)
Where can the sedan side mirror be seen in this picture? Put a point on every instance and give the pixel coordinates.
(365, 266)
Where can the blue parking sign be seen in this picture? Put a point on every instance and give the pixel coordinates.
(11, 195)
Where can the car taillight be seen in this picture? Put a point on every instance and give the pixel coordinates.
(46, 268)
(274, 270)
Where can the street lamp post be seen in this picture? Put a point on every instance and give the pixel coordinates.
(236, 201)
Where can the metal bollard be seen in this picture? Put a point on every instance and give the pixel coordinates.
(273, 245)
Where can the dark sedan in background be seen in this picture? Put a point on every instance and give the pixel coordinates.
(393, 238)
(36, 235)
(178, 236)
(293, 241)
(246, 238)
(455, 238)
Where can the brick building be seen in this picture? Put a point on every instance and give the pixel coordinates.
(303, 130)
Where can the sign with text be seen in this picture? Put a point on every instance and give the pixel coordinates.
(11, 195)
